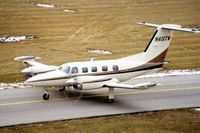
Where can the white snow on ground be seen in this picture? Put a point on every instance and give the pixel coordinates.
(15, 38)
(46, 5)
(99, 51)
(154, 75)
(69, 11)
(198, 109)
(12, 86)
(170, 73)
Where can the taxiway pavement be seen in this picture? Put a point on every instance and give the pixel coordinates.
(25, 105)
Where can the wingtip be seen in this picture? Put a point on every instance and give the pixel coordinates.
(141, 22)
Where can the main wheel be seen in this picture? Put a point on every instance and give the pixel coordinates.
(109, 100)
(61, 90)
(46, 96)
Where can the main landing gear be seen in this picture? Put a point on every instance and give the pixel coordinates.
(110, 97)
(61, 90)
(46, 95)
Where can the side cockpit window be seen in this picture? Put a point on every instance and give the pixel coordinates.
(65, 69)
(74, 70)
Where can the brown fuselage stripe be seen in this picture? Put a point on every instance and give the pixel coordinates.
(144, 67)
(160, 57)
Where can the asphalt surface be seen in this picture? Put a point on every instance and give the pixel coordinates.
(25, 105)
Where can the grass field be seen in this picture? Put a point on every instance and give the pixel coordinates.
(174, 121)
(104, 24)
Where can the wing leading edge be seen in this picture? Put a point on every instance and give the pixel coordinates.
(126, 86)
(91, 82)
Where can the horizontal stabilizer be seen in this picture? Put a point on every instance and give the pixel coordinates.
(173, 27)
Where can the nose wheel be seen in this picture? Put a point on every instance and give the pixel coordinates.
(46, 96)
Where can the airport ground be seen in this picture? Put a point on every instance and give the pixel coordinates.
(171, 121)
(62, 37)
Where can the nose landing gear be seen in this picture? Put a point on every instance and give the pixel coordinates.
(46, 96)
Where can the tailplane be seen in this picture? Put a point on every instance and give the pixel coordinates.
(156, 50)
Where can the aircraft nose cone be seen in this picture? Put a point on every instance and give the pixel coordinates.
(46, 79)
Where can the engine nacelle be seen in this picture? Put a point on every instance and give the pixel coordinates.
(78, 86)
(89, 82)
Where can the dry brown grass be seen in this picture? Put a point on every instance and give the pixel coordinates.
(103, 24)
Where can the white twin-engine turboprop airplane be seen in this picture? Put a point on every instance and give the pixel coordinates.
(109, 73)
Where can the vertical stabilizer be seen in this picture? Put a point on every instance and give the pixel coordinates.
(157, 47)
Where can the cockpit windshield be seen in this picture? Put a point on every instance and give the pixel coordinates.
(65, 69)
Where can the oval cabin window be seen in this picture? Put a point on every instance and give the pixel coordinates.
(84, 69)
(115, 68)
(104, 68)
(94, 69)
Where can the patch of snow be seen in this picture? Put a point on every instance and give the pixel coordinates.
(69, 11)
(198, 109)
(99, 51)
(12, 86)
(46, 5)
(194, 27)
(15, 38)
(170, 73)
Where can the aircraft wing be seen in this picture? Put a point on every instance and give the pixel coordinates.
(34, 67)
(103, 81)
(126, 86)
(29, 60)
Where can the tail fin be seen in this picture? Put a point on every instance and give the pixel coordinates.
(157, 47)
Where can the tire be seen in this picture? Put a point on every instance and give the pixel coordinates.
(61, 90)
(109, 100)
(46, 96)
